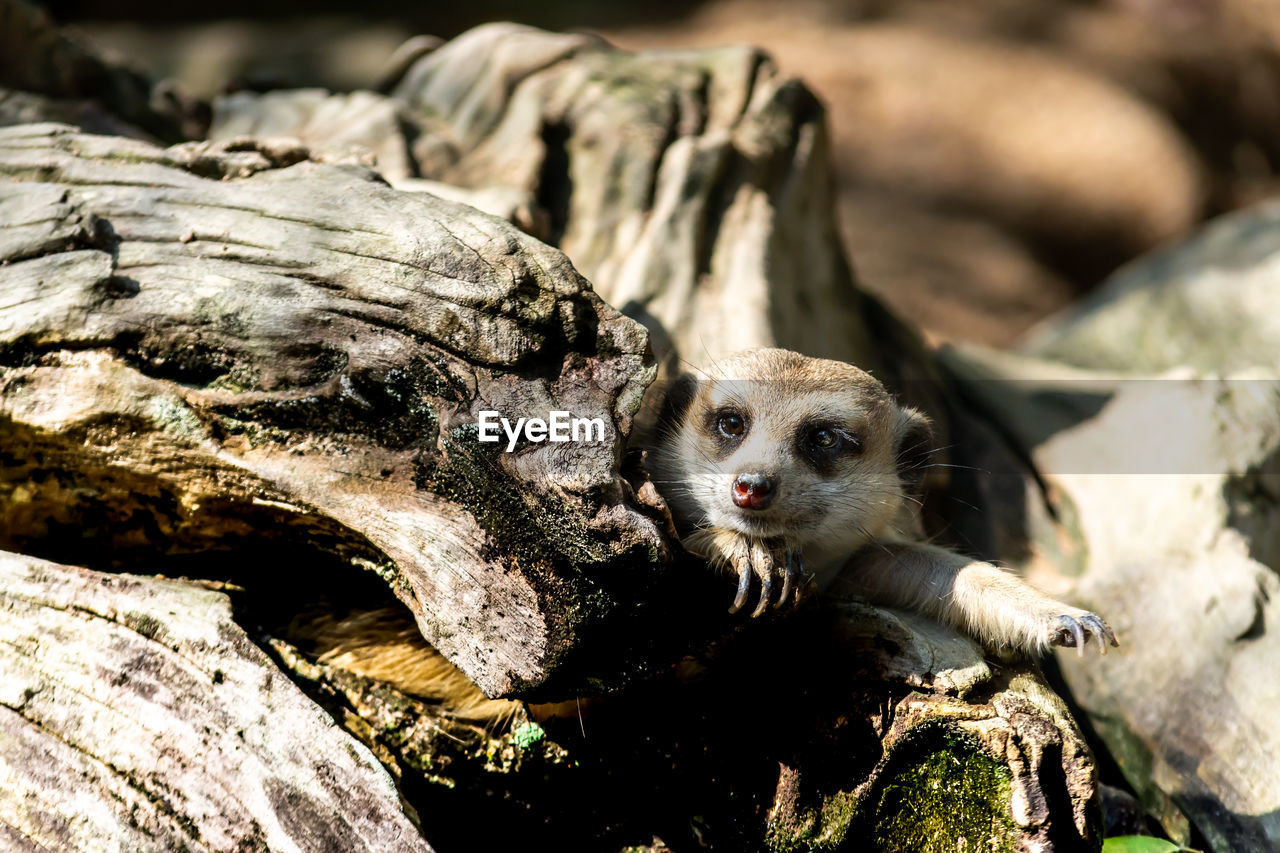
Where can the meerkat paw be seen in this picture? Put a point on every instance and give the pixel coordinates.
(768, 567)
(1075, 628)
(771, 567)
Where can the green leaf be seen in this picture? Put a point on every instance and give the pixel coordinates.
(1139, 844)
(527, 735)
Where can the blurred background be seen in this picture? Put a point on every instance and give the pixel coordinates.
(996, 158)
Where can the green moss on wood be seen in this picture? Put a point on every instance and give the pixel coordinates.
(550, 545)
(945, 794)
(938, 791)
(392, 409)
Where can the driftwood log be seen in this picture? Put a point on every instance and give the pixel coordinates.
(257, 362)
(141, 701)
(225, 340)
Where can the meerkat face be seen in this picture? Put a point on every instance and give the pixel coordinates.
(781, 447)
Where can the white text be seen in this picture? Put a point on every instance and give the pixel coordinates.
(559, 427)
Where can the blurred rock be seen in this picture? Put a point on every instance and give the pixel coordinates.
(320, 121)
(216, 56)
(1211, 304)
(1217, 79)
(1170, 485)
(38, 58)
(1046, 149)
(1165, 500)
(1122, 814)
(26, 108)
(1176, 502)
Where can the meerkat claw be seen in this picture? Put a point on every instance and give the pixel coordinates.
(1076, 630)
(789, 579)
(1101, 631)
(766, 590)
(1070, 633)
(744, 587)
(805, 585)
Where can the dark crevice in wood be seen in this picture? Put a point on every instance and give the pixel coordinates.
(555, 180)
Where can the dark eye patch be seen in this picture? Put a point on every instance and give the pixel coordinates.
(822, 444)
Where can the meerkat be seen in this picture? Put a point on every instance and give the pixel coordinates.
(782, 467)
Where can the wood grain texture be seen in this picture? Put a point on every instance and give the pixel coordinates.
(136, 715)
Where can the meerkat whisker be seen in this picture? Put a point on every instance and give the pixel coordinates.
(952, 465)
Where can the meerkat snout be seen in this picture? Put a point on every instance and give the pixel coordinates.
(754, 491)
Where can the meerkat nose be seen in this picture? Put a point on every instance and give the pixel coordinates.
(753, 491)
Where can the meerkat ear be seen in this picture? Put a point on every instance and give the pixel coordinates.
(912, 444)
(676, 400)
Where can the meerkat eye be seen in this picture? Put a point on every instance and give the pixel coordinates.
(823, 437)
(731, 424)
(832, 439)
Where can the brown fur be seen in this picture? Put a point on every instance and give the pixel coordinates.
(385, 644)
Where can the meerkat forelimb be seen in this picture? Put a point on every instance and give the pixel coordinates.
(980, 599)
